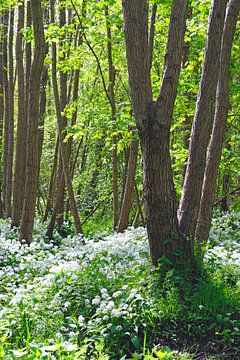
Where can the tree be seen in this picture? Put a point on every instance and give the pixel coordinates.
(203, 120)
(219, 126)
(19, 170)
(153, 120)
(31, 182)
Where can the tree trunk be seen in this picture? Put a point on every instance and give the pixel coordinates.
(154, 122)
(50, 193)
(61, 129)
(42, 113)
(219, 127)
(6, 104)
(203, 121)
(19, 170)
(129, 188)
(1, 110)
(8, 203)
(111, 76)
(27, 222)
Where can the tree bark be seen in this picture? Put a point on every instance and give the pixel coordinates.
(63, 146)
(19, 170)
(27, 222)
(8, 203)
(1, 110)
(6, 104)
(203, 121)
(154, 122)
(219, 127)
(129, 188)
(111, 77)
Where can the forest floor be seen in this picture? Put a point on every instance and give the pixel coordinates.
(100, 298)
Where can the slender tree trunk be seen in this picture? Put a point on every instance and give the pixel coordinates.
(111, 76)
(19, 170)
(63, 102)
(129, 188)
(6, 104)
(8, 204)
(154, 122)
(203, 121)
(27, 222)
(42, 113)
(1, 110)
(50, 194)
(63, 146)
(219, 127)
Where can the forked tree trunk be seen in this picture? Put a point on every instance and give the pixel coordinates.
(203, 121)
(31, 182)
(19, 169)
(219, 127)
(154, 122)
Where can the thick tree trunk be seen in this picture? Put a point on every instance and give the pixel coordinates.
(19, 170)
(219, 127)
(27, 222)
(203, 121)
(129, 188)
(154, 122)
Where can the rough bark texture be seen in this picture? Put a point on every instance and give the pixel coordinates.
(203, 121)
(27, 222)
(19, 170)
(154, 122)
(151, 35)
(42, 113)
(129, 188)
(219, 127)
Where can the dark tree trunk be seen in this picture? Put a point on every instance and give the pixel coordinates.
(154, 122)
(27, 222)
(203, 121)
(219, 127)
(19, 170)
